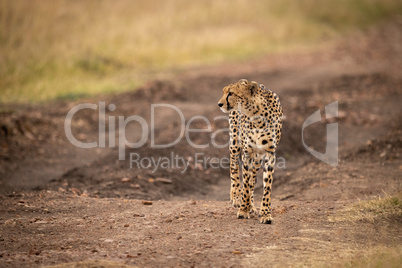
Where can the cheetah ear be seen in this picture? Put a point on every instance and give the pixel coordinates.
(252, 87)
(243, 82)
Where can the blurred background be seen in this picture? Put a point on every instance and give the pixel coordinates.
(70, 49)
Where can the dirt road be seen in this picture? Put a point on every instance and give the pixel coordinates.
(61, 204)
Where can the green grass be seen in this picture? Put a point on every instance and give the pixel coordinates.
(53, 49)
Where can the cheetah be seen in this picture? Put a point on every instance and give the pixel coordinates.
(255, 121)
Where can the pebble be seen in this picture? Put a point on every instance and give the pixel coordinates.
(125, 180)
(163, 180)
(147, 203)
(135, 186)
(34, 252)
(75, 191)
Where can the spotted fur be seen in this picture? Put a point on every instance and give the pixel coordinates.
(255, 121)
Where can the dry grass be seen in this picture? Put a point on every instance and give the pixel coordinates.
(372, 257)
(378, 257)
(67, 49)
(379, 209)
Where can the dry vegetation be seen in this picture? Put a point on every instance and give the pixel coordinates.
(379, 209)
(376, 257)
(68, 49)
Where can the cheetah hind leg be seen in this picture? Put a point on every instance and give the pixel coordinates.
(253, 209)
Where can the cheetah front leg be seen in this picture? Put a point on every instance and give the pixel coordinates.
(253, 209)
(235, 190)
(265, 212)
(251, 165)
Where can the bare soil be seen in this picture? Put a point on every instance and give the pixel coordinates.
(61, 204)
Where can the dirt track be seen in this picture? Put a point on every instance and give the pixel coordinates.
(62, 204)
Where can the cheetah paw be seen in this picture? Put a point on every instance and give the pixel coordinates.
(266, 219)
(254, 210)
(243, 214)
(236, 201)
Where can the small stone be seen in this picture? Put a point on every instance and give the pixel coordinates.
(342, 114)
(125, 180)
(163, 180)
(198, 166)
(108, 241)
(85, 193)
(34, 252)
(236, 252)
(179, 237)
(151, 180)
(135, 186)
(147, 203)
(75, 191)
(126, 225)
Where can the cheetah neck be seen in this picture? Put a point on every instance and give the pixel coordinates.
(254, 107)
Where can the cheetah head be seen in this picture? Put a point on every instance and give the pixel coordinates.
(234, 95)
